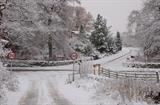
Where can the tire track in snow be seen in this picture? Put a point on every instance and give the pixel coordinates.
(30, 98)
(42, 91)
(44, 97)
(58, 98)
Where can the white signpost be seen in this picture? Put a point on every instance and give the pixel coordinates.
(74, 56)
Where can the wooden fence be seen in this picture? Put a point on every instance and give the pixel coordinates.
(143, 75)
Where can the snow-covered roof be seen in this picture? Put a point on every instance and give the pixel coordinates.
(75, 32)
(4, 41)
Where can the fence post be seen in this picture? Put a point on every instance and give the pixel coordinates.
(99, 68)
(94, 69)
(109, 74)
(157, 74)
(94, 72)
(117, 75)
(126, 75)
(135, 75)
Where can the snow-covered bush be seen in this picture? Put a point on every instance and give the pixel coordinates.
(7, 79)
(145, 25)
(7, 82)
(130, 90)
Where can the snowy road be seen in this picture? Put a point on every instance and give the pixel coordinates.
(41, 89)
(104, 62)
(116, 64)
(49, 88)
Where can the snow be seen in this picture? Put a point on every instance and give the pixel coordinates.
(77, 96)
(104, 62)
(110, 58)
(7, 79)
(52, 87)
(14, 97)
(84, 92)
(4, 41)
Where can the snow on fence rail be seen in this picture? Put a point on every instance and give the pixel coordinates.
(144, 75)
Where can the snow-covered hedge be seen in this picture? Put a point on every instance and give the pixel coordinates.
(30, 63)
(122, 92)
(42, 64)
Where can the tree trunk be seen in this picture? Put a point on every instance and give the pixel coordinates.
(50, 47)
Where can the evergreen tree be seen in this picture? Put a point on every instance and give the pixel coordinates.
(118, 42)
(101, 35)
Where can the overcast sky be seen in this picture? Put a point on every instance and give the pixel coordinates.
(115, 11)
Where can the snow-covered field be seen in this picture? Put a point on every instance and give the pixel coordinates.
(51, 88)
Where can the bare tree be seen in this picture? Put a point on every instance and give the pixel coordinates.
(29, 23)
(146, 26)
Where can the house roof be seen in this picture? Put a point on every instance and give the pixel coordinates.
(4, 41)
(75, 32)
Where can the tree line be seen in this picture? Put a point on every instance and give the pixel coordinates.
(144, 25)
(37, 29)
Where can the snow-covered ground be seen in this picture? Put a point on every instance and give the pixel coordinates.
(49, 88)
(52, 87)
(38, 88)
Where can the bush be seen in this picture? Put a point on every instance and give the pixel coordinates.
(7, 82)
(132, 90)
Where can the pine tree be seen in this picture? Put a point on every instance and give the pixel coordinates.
(118, 42)
(101, 35)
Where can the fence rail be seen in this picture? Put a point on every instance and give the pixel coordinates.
(144, 75)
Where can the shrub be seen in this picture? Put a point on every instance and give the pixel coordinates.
(132, 90)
